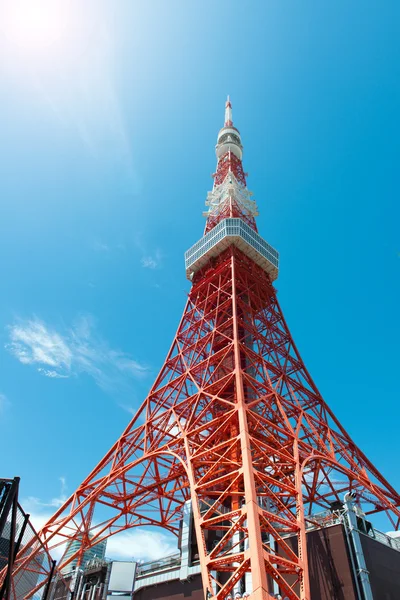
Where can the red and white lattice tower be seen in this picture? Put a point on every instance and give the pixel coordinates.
(233, 422)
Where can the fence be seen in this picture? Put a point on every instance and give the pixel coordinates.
(33, 574)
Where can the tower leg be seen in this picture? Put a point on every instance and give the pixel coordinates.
(301, 536)
(255, 551)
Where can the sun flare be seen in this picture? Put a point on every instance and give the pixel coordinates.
(34, 24)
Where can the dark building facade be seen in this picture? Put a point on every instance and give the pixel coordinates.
(383, 564)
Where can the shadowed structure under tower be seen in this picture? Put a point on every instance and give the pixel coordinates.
(233, 423)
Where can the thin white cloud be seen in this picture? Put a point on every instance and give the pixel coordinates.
(148, 262)
(39, 518)
(138, 543)
(79, 350)
(40, 512)
(33, 504)
(151, 261)
(32, 342)
(393, 534)
(52, 374)
(63, 481)
(141, 544)
(99, 246)
(4, 403)
(127, 408)
(107, 248)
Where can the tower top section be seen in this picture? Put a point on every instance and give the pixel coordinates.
(231, 211)
(228, 113)
(229, 137)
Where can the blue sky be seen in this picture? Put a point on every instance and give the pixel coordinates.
(108, 123)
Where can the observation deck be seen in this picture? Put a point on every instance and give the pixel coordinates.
(232, 231)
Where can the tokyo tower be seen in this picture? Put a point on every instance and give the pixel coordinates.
(233, 427)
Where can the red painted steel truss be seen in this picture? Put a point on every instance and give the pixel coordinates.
(229, 162)
(234, 422)
(230, 208)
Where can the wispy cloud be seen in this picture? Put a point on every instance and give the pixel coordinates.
(141, 544)
(35, 505)
(137, 544)
(393, 534)
(127, 408)
(4, 403)
(80, 349)
(150, 259)
(39, 517)
(150, 262)
(32, 342)
(41, 511)
(52, 374)
(100, 246)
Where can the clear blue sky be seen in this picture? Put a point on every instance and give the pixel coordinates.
(108, 122)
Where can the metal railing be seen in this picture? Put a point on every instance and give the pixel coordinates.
(158, 565)
(385, 539)
(327, 519)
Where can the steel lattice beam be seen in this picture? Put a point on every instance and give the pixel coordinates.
(234, 422)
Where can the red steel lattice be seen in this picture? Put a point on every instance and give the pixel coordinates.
(235, 423)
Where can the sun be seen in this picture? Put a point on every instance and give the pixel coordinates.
(34, 24)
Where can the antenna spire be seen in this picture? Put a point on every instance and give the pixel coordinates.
(228, 113)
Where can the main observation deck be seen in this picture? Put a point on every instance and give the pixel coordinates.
(227, 232)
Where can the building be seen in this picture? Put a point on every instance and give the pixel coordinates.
(334, 565)
(98, 551)
(340, 546)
